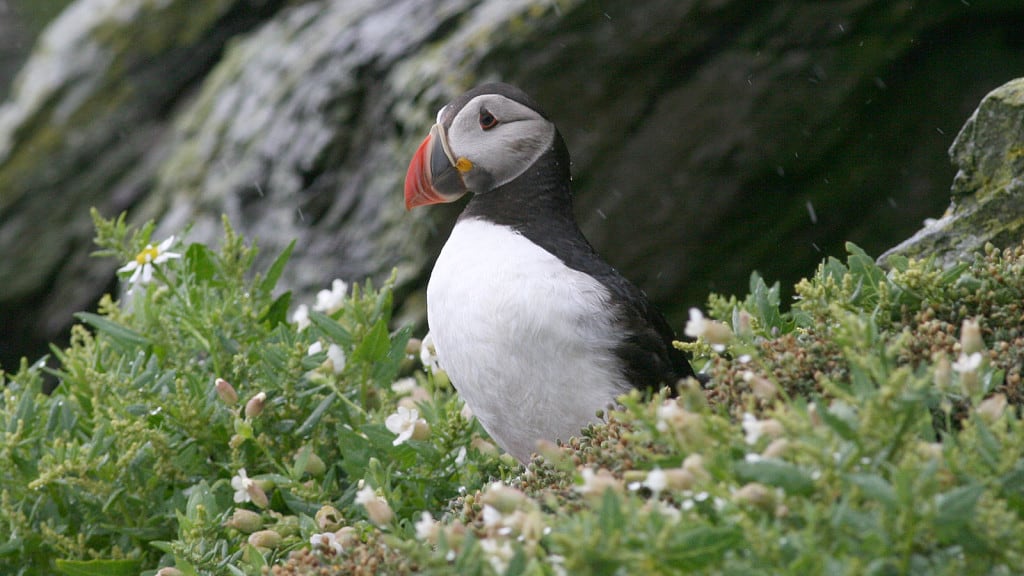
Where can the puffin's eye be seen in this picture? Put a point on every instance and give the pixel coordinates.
(487, 120)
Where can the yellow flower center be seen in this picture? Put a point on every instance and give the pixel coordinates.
(147, 255)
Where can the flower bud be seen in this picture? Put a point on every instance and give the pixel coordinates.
(257, 495)
(169, 571)
(314, 465)
(694, 464)
(991, 409)
(755, 494)
(225, 391)
(679, 479)
(265, 539)
(761, 387)
(254, 407)
(504, 499)
(970, 337)
(329, 518)
(776, 448)
(245, 521)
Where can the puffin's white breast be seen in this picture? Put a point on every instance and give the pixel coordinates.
(527, 341)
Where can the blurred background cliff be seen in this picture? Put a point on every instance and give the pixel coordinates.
(710, 138)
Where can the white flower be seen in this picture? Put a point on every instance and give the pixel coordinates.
(428, 354)
(403, 385)
(752, 427)
(336, 356)
(327, 541)
(967, 364)
(715, 333)
(377, 508)
(242, 484)
(330, 301)
(301, 316)
(426, 527)
(315, 348)
(656, 481)
(596, 483)
(406, 423)
(491, 516)
(142, 266)
(499, 554)
(697, 324)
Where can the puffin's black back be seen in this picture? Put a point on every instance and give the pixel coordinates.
(538, 205)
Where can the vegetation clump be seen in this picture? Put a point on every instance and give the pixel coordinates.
(199, 428)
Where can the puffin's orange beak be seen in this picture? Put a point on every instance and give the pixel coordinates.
(432, 178)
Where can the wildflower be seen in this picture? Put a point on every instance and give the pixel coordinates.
(336, 358)
(499, 554)
(301, 317)
(428, 354)
(694, 464)
(330, 301)
(142, 266)
(716, 333)
(504, 498)
(596, 483)
(403, 385)
(970, 337)
(754, 428)
(426, 528)
(967, 363)
(225, 391)
(756, 494)
(656, 481)
(329, 518)
(326, 542)
(314, 348)
(169, 571)
(992, 408)
(776, 448)
(671, 416)
(377, 507)
(246, 490)
(254, 407)
(241, 483)
(265, 539)
(244, 520)
(761, 387)
(967, 366)
(407, 424)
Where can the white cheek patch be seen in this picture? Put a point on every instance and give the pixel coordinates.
(503, 153)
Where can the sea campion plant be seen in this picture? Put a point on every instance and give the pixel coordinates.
(199, 428)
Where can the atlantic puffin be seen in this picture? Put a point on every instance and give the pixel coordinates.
(536, 332)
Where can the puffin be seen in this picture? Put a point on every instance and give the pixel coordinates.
(537, 333)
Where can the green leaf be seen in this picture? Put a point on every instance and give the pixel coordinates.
(277, 312)
(124, 337)
(845, 429)
(874, 487)
(334, 331)
(274, 272)
(374, 345)
(778, 473)
(99, 567)
(201, 262)
(314, 418)
(699, 548)
(386, 369)
(956, 507)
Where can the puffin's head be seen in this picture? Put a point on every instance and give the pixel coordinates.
(483, 139)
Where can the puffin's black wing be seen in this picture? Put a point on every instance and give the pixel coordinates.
(650, 360)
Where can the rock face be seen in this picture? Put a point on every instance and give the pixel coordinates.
(709, 138)
(988, 191)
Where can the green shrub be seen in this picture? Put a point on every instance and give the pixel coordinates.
(871, 429)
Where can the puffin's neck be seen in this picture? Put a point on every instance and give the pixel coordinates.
(539, 199)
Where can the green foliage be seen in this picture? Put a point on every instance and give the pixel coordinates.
(870, 429)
